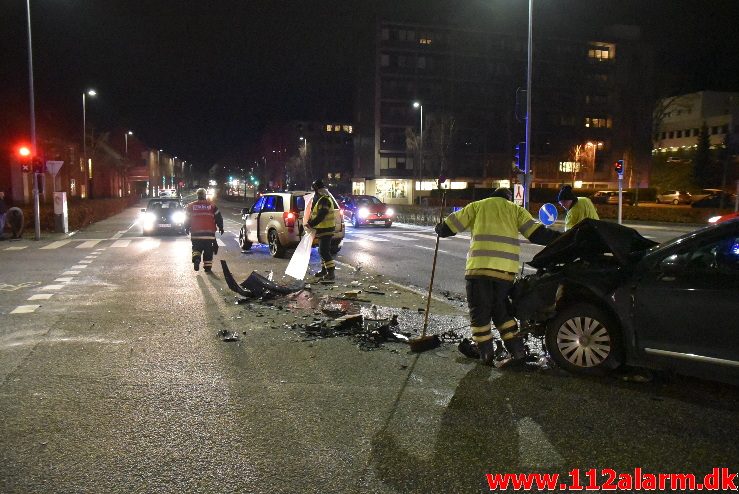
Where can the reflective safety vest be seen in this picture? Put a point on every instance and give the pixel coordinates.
(582, 209)
(323, 202)
(495, 224)
(202, 219)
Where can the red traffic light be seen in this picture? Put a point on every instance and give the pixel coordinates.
(619, 167)
(24, 151)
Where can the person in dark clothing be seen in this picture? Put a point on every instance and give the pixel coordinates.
(323, 221)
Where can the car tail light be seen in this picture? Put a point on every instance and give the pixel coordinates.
(289, 218)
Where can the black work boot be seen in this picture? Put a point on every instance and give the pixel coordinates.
(487, 352)
(321, 273)
(196, 265)
(330, 275)
(517, 353)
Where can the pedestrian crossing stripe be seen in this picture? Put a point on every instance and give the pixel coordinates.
(17, 247)
(24, 309)
(56, 245)
(121, 243)
(89, 244)
(220, 242)
(395, 237)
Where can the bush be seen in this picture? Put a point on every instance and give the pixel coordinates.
(81, 212)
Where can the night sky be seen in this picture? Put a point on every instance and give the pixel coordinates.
(203, 79)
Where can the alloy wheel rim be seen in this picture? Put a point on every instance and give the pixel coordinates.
(272, 243)
(584, 341)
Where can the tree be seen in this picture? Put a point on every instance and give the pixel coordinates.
(702, 162)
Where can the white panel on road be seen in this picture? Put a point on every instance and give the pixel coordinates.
(396, 237)
(18, 247)
(349, 240)
(41, 296)
(52, 287)
(83, 261)
(71, 272)
(56, 245)
(79, 266)
(88, 244)
(64, 280)
(121, 243)
(24, 309)
(220, 242)
(421, 235)
(368, 238)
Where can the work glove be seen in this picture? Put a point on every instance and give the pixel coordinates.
(221, 230)
(443, 230)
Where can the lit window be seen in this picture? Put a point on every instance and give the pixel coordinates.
(337, 128)
(328, 128)
(601, 52)
(424, 41)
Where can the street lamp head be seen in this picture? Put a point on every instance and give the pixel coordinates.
(130, 132)
(302, 138)
(92, 92)
(417, 104)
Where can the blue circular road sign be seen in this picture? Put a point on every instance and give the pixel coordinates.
(548, 214)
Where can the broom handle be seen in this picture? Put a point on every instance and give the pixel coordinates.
(433, 271)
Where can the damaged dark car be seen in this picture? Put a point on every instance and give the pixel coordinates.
(604, 296)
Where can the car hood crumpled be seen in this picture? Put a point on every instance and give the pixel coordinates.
(594, 238)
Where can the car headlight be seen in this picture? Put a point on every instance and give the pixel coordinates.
(178, 217)
(714, 219)
(389, 211)
(363, 213)
(150, 217)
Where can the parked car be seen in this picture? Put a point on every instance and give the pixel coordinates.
(674, 197)
(171, 192)
(276, 220)
(163, 214)
(604, 296)
(366, 210)
(611, 197)
(713, 200)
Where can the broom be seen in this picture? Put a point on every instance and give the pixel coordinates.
(424, 342)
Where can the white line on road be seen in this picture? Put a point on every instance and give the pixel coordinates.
(359, 236)
(220, 242)
(56, 245)
(64, 280)
(24, 309)
(88, 244)
(17, 247)
(119, 234)
(121, 243)
(83, 261)
(41, 296)
(71, 272)
(395, 237)
(430, 248)
(52, 287)
(421, 235)
(79, 266)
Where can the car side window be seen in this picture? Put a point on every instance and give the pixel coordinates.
(715, 258)
(258, 205)
(269, 204)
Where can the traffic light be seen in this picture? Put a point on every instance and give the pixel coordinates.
(38, 165)
(619, 167)
(24, 157)
(520, 156)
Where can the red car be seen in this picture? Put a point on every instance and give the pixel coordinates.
(366, 210)
(726, 217)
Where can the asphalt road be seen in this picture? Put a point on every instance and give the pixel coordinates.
(113, 379)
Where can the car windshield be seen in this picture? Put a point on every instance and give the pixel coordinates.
(368, 201)
(163, 205)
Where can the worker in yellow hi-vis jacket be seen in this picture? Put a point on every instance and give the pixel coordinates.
(492, 264)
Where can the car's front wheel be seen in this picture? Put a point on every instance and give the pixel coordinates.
(243, 242)
(584, 339)
(275, 247)
(675, 202)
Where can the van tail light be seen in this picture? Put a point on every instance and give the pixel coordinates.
(289, 218)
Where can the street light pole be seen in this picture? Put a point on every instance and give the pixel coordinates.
(90, 92)
(129, 133)
(527, 166)
(417, 104)
(36, 205)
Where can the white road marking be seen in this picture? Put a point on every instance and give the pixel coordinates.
(88, 244)
(119, 234)
(56, 245)
(17, 247)
(83, 261)
(41, 296)
(151, 243)
(52, 287)
(421, 235)
(430, 248)
(24, 309)
(79, 266)
(220, 242)
(71, 272)
(121, 243)
(368, 238)
(64, 280)
(394, 236)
